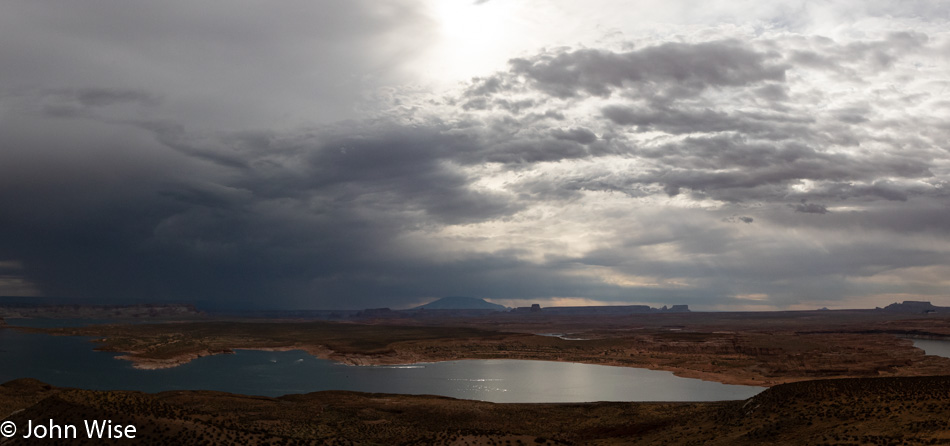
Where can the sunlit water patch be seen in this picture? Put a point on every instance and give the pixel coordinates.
(566, 337)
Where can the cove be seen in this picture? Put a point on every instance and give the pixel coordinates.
(71, 362)
(933, 347)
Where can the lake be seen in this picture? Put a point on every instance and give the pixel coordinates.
(931, 347)
(71, 362)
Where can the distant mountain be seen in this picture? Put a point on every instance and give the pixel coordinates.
(915, 306)
(460, 303)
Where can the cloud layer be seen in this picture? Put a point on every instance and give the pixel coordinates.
(267, 157)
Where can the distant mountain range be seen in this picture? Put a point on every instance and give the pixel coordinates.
(78, 311)
(460, 303)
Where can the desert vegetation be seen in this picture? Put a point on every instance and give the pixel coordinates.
(862, 411)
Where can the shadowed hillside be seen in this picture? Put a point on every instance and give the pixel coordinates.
(866, 411)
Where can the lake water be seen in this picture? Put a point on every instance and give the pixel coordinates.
(71, 362)
(935, 348)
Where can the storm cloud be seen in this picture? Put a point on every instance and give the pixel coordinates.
(287, 157)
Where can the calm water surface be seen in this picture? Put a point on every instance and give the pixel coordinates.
(935, 348)
(71, 362)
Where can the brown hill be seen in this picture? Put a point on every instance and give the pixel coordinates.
(825, 412)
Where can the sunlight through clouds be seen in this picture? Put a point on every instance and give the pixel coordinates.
(327, 155)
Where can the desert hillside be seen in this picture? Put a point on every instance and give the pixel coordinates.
(863, 411)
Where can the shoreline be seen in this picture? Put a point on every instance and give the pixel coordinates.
(753, 350)
(319, 352)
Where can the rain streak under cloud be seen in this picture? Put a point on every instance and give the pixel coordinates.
(357, 154)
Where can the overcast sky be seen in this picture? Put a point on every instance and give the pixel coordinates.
(359, 153)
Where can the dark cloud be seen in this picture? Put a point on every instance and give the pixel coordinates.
(893, 217)
(848, 59)
(733, 169)
(485, 86)
(669, 69)
(772, 92)
(714, 259)
(101, 97)
(514, 107)
(579, 135)
(85, 101)
(810, 208)
(680, 121)
(296, 211)
(739, 219)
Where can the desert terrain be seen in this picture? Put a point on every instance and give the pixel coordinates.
(865, 411)
(833, 378)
